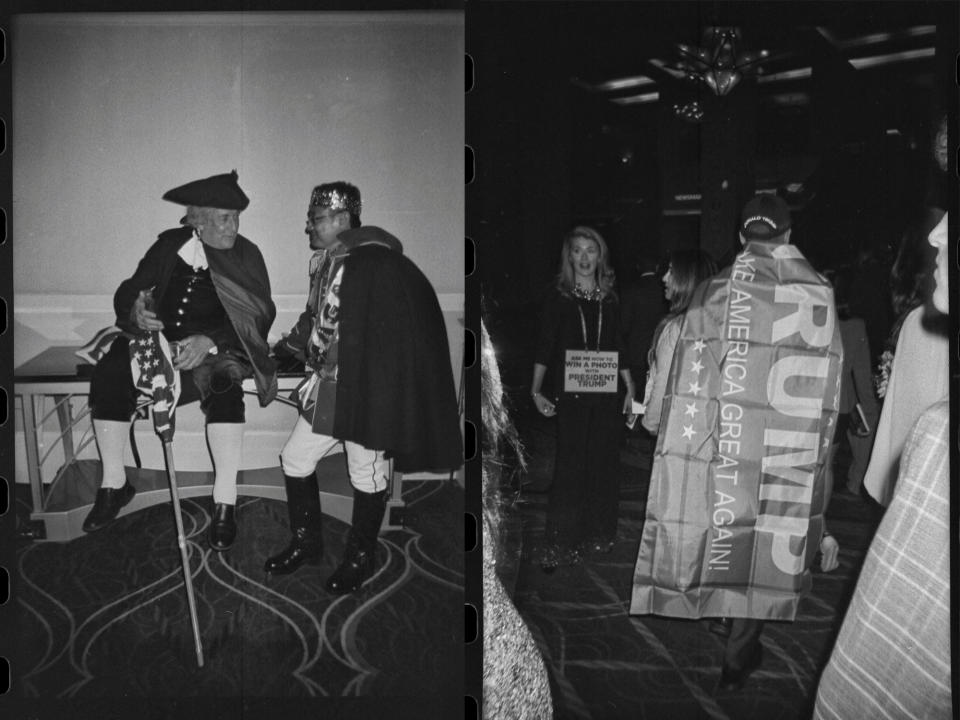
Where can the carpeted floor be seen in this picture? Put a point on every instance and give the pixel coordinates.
(606, 664)
(105, 617)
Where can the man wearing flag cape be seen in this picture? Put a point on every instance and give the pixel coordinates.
(203, 290)
(735, 514)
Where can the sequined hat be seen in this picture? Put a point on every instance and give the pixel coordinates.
(337, 196)
(217, 191)
(765, 217)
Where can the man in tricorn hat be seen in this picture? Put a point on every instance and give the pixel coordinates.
(206, 288)
(378, 380)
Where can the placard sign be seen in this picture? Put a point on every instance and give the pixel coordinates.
(591, 371)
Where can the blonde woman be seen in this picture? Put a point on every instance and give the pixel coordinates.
(580, 346)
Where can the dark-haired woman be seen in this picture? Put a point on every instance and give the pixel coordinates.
(579, 334)
(687, 269)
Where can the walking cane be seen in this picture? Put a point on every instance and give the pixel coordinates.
(151, 364)
(182, 543)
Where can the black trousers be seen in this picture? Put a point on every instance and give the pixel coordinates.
(585, 495)
(743, 642)
(114, 397)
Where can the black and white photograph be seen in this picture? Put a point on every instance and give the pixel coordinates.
(500, 359)
(247, 227)
(714, 268)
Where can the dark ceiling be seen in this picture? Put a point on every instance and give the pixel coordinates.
(573, 118)
(861, 80)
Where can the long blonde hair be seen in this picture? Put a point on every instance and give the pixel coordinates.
(606, 278)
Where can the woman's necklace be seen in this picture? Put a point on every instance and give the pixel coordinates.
(579, 292)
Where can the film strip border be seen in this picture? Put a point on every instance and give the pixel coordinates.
(7, 429)
(473, 610)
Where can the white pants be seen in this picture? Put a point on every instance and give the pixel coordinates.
(304, 449)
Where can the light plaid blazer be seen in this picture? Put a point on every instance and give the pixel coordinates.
(892, 657)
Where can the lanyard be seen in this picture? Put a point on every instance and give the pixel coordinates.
(583, 324)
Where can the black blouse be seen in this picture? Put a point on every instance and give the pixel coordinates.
(561, 329)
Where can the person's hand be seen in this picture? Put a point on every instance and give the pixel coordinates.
(287, 361)
(281, 351)
(192, 352)
(830, 551)
(628, 403)
(143, 318)
(544, 406)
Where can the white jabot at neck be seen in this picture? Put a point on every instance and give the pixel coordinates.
(193, 254)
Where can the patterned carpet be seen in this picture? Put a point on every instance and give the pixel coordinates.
(106, 617)
(604, 663)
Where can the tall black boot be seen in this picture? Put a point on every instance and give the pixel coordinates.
(359, 558)
(306, 546)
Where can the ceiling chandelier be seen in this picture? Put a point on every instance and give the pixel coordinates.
(691, 111)
(720, 62)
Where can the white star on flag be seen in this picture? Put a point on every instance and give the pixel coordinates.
(696, 366)
(692, 409)
(151, 368)
(688, 432)
(695, 387)
(699, 345)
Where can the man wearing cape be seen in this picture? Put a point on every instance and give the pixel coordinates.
(735, 513)
(377, 380)
(205, 288)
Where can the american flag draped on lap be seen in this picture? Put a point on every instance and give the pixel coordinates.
(151, 364)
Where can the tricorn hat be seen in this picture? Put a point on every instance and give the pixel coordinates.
(217, 191)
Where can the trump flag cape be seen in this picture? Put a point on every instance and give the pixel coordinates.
(735, 510)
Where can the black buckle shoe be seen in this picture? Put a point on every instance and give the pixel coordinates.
(357, 567)
(302, 549)
(223, 528)
(108, 503)
(733, 680)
